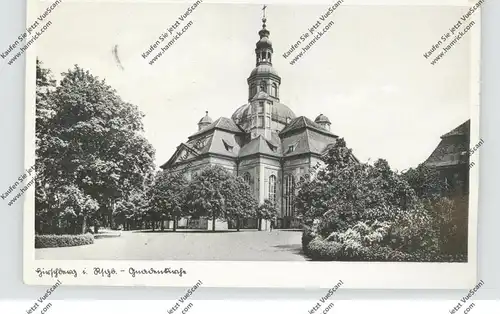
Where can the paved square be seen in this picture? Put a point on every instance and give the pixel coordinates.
(246, 245)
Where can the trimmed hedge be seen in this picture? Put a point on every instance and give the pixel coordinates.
(52, 240)
(320, 250)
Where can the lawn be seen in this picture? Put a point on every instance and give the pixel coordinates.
(248, 245)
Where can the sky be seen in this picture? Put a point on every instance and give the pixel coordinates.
(367, 74)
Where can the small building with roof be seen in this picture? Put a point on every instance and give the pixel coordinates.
(451, 158)
(263, 141)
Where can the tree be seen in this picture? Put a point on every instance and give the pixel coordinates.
(216, 193)
(167, 196)
(77, 208)
(446, 205)
(128, 212)
(240, 202)
(267, 210)
(45, 83)
(91, 139)
(345, 191)
(426, 182)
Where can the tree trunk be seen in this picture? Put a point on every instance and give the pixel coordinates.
(237, 223)
(259, 224)
(162, 224)
(153, 223)
(175, 223)
(111, 219)
(84, 225)
(213, 223)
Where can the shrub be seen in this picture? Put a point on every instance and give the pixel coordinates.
(321, 250)
(307, 236)
(51, 240)
(424, 256)
(382, 254)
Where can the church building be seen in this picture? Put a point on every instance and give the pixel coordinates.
(263, 141)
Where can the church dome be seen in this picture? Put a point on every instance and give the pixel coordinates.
(279, 112)
(322, 119)
(264, 42)
(282, 112)
(263, 69)
(206, 119)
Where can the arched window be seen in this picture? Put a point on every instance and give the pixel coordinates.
(274, 90)
(253, 90)
(247, 178)
(272, 189)
(263, 86)
(289, 194)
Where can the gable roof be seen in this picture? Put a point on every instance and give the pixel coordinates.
(304, 123)
(452, 149)
(221, 123)
(182, 147)
(462, 129)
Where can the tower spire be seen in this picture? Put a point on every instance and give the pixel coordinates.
(264, 47)
(263, 77)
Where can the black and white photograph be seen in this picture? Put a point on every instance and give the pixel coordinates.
(336, 138)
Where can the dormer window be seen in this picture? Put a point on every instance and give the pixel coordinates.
(228, 147)
(272, 147)
(291, 148)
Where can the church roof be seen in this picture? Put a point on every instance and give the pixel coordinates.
(221, 123)
(322, 119)
(279, 112)
(452, 150)
(206, 119)
(462, 129)
(304, 123)
(260, 145)
(263, 69)
(306, 142)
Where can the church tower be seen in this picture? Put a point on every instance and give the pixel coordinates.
(263, 86)
(263, 115)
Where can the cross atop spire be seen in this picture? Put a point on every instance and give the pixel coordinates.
(264, 13)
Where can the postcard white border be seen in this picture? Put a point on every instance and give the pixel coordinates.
(355, 275)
